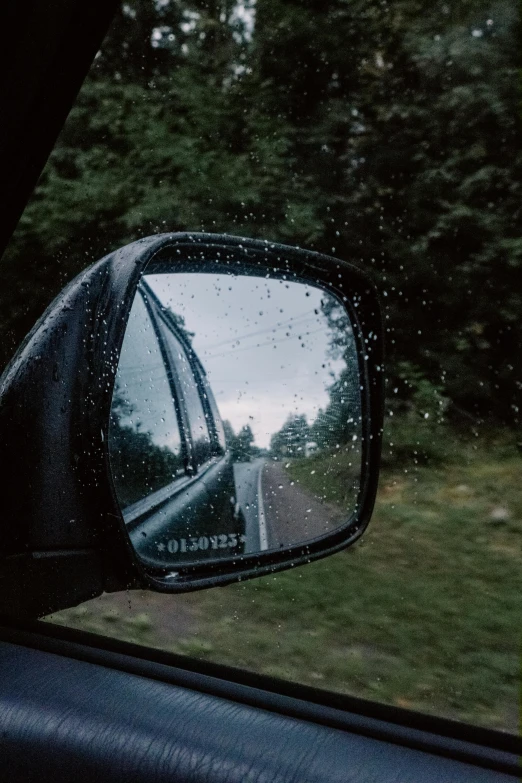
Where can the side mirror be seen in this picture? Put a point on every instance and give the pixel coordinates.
(192, 410)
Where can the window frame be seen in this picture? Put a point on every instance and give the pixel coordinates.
(48, 90)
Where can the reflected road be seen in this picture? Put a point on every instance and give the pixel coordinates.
(277, 511)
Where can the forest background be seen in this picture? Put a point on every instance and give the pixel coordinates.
(388, 134)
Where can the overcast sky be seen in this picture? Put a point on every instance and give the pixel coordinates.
(264, 344)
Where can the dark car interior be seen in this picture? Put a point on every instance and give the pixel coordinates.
(79, 706)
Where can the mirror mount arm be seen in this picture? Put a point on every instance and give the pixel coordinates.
(70, 577)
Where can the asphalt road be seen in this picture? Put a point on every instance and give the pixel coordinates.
(277, 511)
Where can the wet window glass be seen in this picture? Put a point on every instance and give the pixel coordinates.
(389, 135)
(144, 436)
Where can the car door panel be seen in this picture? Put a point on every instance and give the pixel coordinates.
(202, 505)
(224, 520)
(69, 719)
(162, 528)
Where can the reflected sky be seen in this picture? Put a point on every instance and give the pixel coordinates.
(264, 344)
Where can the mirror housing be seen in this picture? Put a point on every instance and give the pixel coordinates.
(64, 539)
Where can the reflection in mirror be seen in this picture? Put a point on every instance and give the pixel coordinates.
(236, 406)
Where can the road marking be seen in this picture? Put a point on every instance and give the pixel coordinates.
(263, 535)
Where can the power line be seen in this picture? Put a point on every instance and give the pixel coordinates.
(261, 331)
(263, 345)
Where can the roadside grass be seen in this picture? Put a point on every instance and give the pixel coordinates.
(423, 612)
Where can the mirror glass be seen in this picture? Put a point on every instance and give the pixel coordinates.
(237, 404)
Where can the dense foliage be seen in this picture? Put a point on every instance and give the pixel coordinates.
(387, 134)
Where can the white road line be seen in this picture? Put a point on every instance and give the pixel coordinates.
(263, 535)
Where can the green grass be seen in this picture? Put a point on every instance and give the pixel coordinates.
(423, 612)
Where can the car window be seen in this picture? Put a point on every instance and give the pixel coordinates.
(143, 417)
(389, 135)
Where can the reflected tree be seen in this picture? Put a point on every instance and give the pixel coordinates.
(241, 446)
(139, 466)
(340, 422)
(292, 438)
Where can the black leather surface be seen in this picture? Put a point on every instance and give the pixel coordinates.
(67, 720)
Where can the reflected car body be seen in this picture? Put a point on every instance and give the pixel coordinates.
(175, 486)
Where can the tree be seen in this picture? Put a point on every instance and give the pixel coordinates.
(340, 422)
(139, 466)
(388, 135)
(292, 438)
(241, 446)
